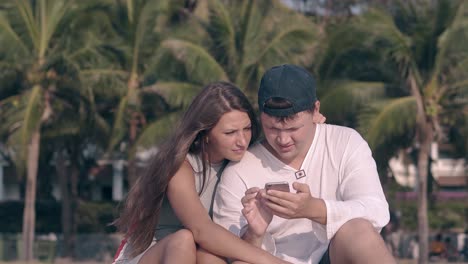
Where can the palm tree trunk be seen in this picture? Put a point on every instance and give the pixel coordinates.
(133, 129)
(74, 207)
(65, 201)
(131, 166)
(132, 172)
(426, 138)
(29, 213)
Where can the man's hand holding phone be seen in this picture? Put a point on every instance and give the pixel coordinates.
(291, 205)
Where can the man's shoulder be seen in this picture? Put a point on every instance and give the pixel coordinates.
(334, 131)
(256, 149)
(342, 140)
(251, 158)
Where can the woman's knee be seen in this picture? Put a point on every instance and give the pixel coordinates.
(178, 247)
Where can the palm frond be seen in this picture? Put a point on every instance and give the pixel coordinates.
(452, 57)
(157, 131)
(288, 44)
(199, 65)
(339, 44)
(12, 111)
(66, 128)
(143, 30)
(29, 21)
(384, 34)
(270, 34)
(52, 14)
(11, 38)
(105, 83)
(348, 97)
(24, 123)
(280, 35)
(387, 120)
(222, 32)
(176, 94)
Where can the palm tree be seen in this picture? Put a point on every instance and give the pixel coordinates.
(74, 129)
(36, 39)
(350, 77)
(235, 41)
(421, 43)
(222, 40)
(135, 29)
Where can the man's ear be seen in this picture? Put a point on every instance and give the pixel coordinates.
(317, 117)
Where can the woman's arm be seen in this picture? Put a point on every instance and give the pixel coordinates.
(213, 238)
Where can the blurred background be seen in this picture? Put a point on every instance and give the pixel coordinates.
(89, 88)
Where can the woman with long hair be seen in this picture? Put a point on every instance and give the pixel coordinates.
(166, 215)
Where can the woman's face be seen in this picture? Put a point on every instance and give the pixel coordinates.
(230, 137)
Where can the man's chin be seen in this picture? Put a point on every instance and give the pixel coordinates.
(288, 151)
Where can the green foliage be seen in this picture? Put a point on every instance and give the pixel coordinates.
(342, 100)
(157, 131)
(96, 217)
(179, 95)
(393, 118)
(238, 42)
(43, 44)
(199, 64)
(407, 41)
(134, 30)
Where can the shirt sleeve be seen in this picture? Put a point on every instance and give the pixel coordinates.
(360, 190)
(227, 207)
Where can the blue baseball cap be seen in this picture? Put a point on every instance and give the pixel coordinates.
(290, 82)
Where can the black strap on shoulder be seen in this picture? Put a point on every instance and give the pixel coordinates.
(218, 176)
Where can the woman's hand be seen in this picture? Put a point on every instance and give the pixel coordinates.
(257, 214)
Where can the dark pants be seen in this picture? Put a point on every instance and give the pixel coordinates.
(325, 258)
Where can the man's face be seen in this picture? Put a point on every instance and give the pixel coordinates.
(290, 140)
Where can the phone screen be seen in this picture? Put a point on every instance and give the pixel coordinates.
(279, 186)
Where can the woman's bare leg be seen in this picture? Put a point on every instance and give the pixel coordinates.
(175, 248)
(205, 257)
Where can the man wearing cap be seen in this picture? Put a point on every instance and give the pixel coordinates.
(336, 200)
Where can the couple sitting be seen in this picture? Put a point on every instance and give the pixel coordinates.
(332, 213)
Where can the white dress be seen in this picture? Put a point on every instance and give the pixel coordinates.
(168, 222)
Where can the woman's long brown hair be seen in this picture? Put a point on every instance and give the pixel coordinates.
(141, 210)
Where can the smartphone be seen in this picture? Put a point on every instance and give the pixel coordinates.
(279, 186)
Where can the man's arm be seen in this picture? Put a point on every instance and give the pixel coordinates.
(360, 190)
